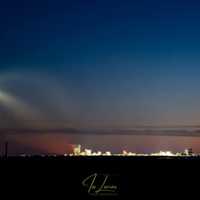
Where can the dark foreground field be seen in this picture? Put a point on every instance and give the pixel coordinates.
(98, 177)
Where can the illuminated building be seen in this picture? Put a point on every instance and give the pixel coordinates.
(76, 149)
(188, 152)
(88, 152)
(124, 152)
(108, 153)
(163, 153)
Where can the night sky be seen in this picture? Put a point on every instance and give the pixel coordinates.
(99, 64)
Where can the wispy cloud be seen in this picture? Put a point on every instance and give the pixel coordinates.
(186, 132)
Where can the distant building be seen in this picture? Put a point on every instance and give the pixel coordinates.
(76, 149)
(124, 152)
(108, 153)
(88, 152)
(188, 152)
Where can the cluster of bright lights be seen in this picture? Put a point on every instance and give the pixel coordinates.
(163, 153)
(89, 152)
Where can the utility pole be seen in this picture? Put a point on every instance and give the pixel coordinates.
(6, 149)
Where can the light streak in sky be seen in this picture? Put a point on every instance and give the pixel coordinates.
(18, 108)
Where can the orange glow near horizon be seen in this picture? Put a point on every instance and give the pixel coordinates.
(62, 143)
(43, 144)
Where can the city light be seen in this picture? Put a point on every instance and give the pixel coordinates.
(88, 152)
(77, 152)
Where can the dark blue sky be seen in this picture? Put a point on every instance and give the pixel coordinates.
(100, 63)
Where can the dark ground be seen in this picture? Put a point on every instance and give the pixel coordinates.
(61, 177)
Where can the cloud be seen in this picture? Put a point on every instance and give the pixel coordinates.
(186, 132)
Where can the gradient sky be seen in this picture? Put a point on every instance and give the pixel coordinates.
(99, 64)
